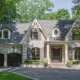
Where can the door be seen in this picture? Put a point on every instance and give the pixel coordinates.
(56, 54)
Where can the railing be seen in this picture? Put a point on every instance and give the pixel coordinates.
(54, 39)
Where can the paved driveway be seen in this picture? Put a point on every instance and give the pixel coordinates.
(50, 74)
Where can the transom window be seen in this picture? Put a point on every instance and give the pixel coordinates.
(35, 53)
(76, 35)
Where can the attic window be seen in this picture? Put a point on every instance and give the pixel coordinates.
(55, 31)
(6, 34)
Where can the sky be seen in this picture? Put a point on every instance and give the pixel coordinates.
(59, 4)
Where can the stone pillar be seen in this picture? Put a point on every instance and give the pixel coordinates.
(5, 60)
(24, 55)
(66, 53)
(48, 53)
(73, 53)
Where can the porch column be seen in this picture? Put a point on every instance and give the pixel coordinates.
(5, 60)
(48, 52)
(66, 53)
(24, 55)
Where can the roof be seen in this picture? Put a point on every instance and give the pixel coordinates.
(19, 30)
(63, 25)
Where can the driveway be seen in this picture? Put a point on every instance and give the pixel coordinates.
(50, 73)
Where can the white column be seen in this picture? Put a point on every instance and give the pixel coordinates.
(66, 53)
(5, 60)
(24, 55)
(48, 52)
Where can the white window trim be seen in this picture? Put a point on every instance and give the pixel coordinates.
(55, 35)
(9, 33)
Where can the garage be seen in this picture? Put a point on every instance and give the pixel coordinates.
(14, 59)
(1, 59)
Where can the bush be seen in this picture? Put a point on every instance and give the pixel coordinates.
(33, 62)
(74, 62)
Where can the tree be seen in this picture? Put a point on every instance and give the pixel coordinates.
(76, 9)
(29, 9)
(61, 14)
(8, 10)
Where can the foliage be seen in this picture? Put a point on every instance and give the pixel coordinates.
(30, 9)
(8, 10)
(61, 14)
(76, 9)
(74, 62)
(33, 62)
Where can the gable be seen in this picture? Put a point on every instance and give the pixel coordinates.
(63, 25)
(75, 26)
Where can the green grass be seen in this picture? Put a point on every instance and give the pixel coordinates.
(12, 76)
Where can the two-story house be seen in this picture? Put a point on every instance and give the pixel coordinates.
(56, 40)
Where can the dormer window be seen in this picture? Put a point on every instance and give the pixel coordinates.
(5, 34)
(55, 32)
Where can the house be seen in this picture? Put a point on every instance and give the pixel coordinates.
(55, 40)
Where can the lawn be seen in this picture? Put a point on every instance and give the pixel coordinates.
(12, 76)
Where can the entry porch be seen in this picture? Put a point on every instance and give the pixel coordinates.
(56, 51)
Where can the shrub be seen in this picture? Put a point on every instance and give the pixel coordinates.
(33, 62)
(74, 62)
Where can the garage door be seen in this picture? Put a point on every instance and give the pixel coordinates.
(14, 59)
(1, 59)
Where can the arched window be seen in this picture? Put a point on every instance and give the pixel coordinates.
(6, 33)
(35, 53)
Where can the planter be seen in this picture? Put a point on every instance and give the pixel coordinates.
(34, 66)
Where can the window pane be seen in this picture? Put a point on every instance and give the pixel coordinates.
(35, 35)
(5, 33)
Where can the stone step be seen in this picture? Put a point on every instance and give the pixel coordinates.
(57, 65)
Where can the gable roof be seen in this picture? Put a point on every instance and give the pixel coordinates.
(19, 30)
(63, 25)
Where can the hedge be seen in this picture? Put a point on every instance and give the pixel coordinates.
(33, 62)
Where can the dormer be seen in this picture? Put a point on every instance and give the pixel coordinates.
(56, 33)
(5, 33)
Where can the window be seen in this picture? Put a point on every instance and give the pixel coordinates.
(5, 34)
(35, 54)
(55, 31)
(76, 35)
(34, 35)
(77, 53)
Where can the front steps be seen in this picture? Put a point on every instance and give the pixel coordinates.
(57, 65)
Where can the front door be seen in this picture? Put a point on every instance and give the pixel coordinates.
(56, 54)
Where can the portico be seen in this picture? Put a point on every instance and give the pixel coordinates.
(56, 52)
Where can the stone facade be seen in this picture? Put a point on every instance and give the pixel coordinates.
(52, 49)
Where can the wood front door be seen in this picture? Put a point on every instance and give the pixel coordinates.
(57, 54)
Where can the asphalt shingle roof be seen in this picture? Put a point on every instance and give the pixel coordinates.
(19, 30)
